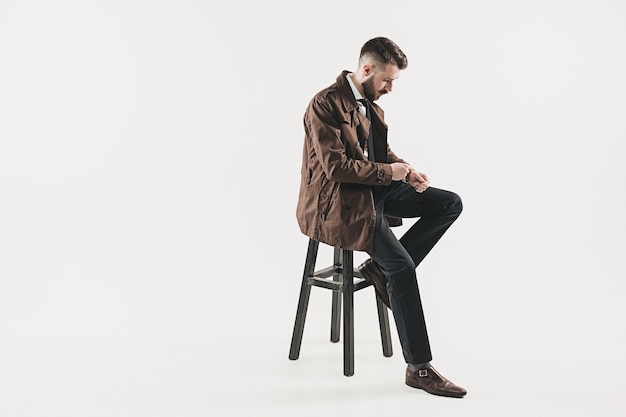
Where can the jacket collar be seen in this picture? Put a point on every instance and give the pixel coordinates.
(348, 101)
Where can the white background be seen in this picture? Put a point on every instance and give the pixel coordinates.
(150, 260)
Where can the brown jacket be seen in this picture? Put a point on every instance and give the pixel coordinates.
(335, 205)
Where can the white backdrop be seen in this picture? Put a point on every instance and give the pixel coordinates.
(149, 167)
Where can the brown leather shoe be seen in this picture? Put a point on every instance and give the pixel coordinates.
(432, 382)
(372, 273)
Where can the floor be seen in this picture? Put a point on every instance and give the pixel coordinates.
(229, 374)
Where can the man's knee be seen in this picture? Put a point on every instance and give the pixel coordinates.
(454, 204)
(457, 203)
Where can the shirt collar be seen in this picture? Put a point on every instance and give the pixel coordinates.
(355, 91)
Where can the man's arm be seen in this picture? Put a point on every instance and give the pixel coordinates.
(324, 132)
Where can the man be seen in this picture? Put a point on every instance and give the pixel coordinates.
(352, 180)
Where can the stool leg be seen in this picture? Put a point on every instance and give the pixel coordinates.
(383, 321)
(348, 313)
(303, 302)
(335, 314)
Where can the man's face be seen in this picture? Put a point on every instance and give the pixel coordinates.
(380, 81)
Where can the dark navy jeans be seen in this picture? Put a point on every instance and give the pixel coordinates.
(437, 210)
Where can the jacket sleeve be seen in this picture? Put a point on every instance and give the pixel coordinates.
(323, 129)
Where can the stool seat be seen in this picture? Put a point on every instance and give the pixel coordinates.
(343, 279)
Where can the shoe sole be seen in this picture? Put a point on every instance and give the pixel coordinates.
(441, 394)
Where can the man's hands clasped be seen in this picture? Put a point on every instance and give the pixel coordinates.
(418, 180)
(401, 171)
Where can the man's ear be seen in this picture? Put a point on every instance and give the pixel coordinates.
(368, 69)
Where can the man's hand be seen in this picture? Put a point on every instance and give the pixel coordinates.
(399, 171)
(418, 180)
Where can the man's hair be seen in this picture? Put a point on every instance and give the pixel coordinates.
(384, 51)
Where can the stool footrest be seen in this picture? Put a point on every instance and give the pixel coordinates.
(335, 270)
(359, 283)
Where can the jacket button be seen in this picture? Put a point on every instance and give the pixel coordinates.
(349, 205)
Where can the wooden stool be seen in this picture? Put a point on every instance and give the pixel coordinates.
(345, 281)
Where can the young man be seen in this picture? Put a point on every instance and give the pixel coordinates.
(353, 185)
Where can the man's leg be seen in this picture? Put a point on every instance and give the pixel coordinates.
(399, 268)
(397, 259)
(437, 210)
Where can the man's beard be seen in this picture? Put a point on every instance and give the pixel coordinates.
(369, 91)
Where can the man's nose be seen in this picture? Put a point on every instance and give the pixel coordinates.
(389, 86)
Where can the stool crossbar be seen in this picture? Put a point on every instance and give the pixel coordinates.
(343, 279)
